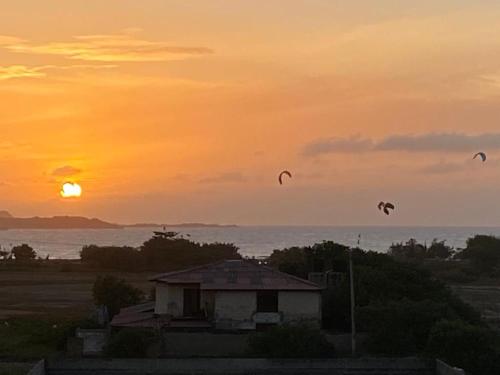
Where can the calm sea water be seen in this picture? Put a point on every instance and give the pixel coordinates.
(252, 240)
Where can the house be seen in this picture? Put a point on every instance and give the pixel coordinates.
(228, 295)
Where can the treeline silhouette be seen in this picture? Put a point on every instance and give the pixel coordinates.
(401, 306)
(163, 252)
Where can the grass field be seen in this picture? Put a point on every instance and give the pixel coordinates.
(38, 307)
(49, 291)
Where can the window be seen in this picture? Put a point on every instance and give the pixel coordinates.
(267, 301)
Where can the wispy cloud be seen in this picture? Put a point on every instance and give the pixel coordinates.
(430, 142)
(440, 142)
(66, 171)
(443, 167)
(23, 71)
(107, 48)
(20, 71)
(224, 178)
(337, 145)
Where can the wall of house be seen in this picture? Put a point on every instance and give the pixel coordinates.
(234, 309)
(300, 307)
(169, 300)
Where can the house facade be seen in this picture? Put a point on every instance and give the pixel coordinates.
(235, 295)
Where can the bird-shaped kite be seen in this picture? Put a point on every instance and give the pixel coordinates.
(280, 178)
(386, 206)
(480, 154)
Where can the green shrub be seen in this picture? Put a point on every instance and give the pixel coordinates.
(115, 293)
(470, 347)
(290, 342)
(130, 343)
(23, 252)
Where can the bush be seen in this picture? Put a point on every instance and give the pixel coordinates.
(23, 252)
(483, 252)
(162, 252)
(473, 348)
(290, 342)
(130, 343)
(401, 328)
(112, 257)
(115, 294)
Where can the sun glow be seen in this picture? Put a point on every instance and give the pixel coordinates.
(71, 190)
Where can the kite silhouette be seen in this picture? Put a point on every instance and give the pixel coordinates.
(386, 206)
(282, 174)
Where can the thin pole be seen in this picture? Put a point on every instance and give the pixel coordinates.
(353, 303)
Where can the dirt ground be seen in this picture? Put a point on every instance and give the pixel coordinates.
(44, 291)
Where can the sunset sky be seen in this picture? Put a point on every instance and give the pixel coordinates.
(175, 111)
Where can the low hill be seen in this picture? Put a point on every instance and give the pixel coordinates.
(56, 222)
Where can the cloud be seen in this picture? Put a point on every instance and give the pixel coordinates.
(452, 142)
(431, 142)
(108, 48)
(224, 178)
(65, 171)
(19, 71)
(442, 167)
(23, 71)
(337, 145)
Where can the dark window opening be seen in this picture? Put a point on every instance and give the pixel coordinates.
(191, 302)
(267, 301)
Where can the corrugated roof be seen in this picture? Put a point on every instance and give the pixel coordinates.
(236, 275)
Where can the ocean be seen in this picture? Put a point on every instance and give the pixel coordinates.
(252, 240)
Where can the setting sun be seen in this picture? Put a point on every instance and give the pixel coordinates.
(71, 190)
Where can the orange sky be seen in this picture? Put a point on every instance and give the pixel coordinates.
(174, 111)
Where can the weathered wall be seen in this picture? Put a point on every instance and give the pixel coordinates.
(365, 366)
(445, 369)
(169, 300)
(300, 307)
(161, 298)
(205, 344)
(94, 340)
(234, 309)
(38, 368)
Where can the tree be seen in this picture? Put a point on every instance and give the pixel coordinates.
(123, 258)
(290, 342)
(471, 347)
(115, 293)
(23, 252)
(439, 249)
(410, 250)
(483, 252)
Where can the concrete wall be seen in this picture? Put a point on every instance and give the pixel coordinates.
(161, 298)
(234, 309)
(445, 369)
(365, 366)
(169, 300)
(205, 344)
(94, 340)
(38, 368)
(300, 307)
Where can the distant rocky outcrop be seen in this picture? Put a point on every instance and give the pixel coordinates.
(5, 214)
(181, 225)
(56, 222)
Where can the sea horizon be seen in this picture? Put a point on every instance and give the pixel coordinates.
(252, 240)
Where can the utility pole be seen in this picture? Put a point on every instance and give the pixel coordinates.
(353, 302)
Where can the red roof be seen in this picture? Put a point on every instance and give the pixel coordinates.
(236, 275)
